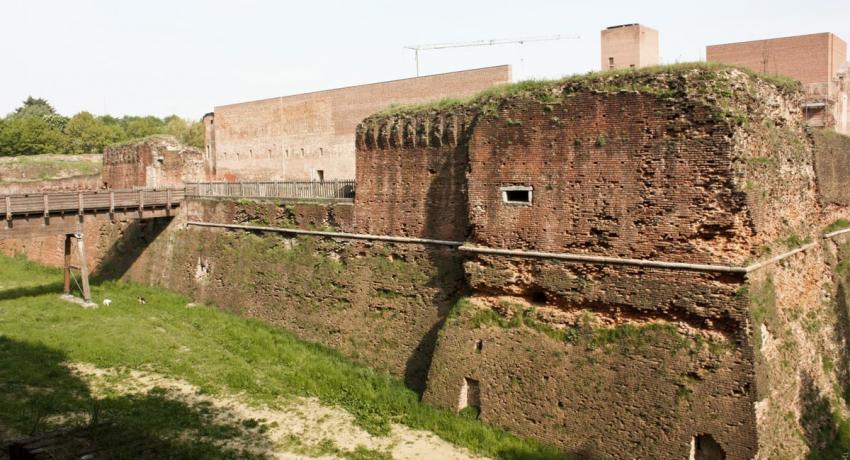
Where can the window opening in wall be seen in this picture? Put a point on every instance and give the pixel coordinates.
(631, 66)
(320, 175)
(704, 447)
(470, 397)
(270, 153)
(250, 153)
(517, 194)
(321, 152)
(610, 62)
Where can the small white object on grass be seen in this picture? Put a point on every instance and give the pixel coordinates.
(107, 302)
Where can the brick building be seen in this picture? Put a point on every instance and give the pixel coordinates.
(311, 136)
(156, 161)
(629, 46)
(590, 166)
(819, 61)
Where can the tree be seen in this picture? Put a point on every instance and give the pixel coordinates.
(30, 136)
(138, 127)
(86, 134)
(34, 107)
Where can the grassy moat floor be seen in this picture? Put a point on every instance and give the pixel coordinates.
(203, 383)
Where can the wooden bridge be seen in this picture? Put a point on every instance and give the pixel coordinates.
(46, 214)
(57, 213)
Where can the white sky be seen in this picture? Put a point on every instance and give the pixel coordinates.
(184, 56)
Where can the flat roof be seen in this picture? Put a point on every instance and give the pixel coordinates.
(507, 66)
(776, 38)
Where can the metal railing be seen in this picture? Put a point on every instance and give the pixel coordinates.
(103, 200)
(337, 189)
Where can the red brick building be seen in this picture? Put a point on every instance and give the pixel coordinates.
(311, 136)
(819, 61)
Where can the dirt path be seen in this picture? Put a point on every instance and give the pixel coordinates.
(301, 428)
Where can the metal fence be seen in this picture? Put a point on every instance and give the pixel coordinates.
(343, 189)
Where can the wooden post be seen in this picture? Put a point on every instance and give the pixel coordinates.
(141, 203)
(84, 270)
(168, 201)
(67, 285)
(46, 205)
(111, 205)
(8, 209)
(80, 202)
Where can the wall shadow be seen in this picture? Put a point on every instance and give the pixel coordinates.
(135, 239)
(842, 334)
(38, 394)
(446, 218)
(32, 291)
(826, 435)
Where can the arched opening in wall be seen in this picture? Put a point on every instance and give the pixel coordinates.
(479, 345)
(539, 297)
(704, 447)
(469, 402)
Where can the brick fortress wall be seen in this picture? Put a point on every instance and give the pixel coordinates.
(293, 137)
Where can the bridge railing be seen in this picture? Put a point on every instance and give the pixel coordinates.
(46, 203)
(338, 189)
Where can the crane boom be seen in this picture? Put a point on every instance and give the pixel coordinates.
(498, 41)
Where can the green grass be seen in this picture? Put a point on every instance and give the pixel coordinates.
(549, 92)
(47, 167)
(839, 224)
(214, 350)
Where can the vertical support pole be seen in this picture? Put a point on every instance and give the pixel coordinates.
(67, 286)
(141, 203)
(84, 269)
(80, 202)
(168, 201)
(111, 205)
(46, 205)
(9, 210)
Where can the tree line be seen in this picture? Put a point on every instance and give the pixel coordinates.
(35, 128)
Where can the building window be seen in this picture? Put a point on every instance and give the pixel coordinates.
(610, 62)
(320, 174)
(517, 195)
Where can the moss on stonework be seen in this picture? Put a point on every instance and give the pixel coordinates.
(621, 338)
(838, 224)
(709, 82)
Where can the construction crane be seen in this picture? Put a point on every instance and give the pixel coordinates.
(500, 41)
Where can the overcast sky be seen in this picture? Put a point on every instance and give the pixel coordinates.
(185, 57)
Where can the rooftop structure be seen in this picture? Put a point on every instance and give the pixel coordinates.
(629, 46)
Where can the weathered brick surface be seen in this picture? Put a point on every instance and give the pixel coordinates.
(692, 166)
(611, 174)
(640, 397)
(380, 304)
(833, 167)
(153, 162)
(416, 185)
(293, 137)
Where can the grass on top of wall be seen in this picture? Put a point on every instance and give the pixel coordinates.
(219, 352)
